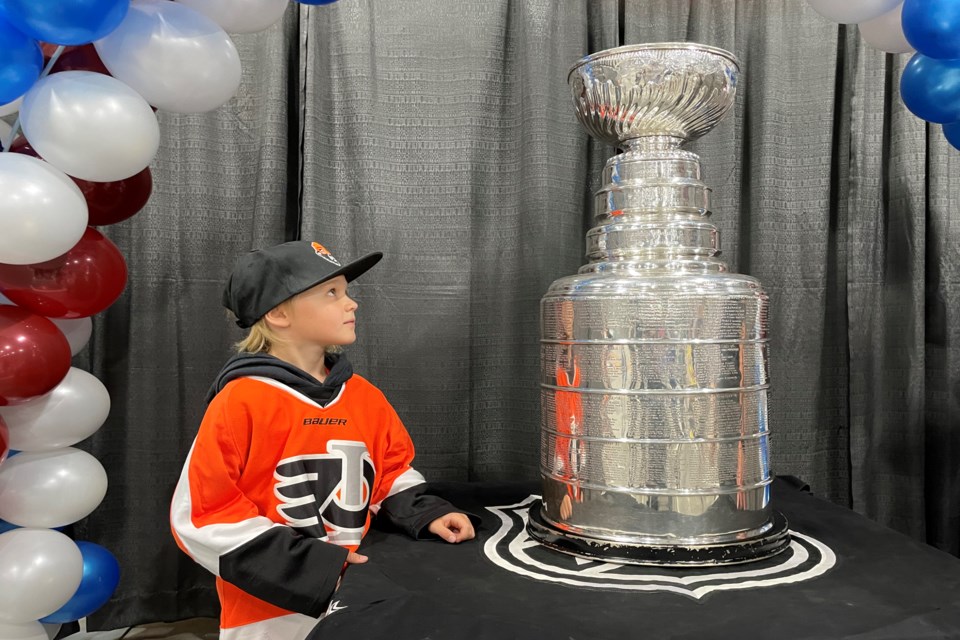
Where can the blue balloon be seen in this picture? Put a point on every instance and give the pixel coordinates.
(952, 133)
(65, 21)
(101, 574)
(931, 88)
(932, 27)
(9, 526)
(21, 62)
(316, 1)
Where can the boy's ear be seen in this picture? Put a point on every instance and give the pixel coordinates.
(277, 317)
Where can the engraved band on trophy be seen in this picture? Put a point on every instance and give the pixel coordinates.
(654, 366)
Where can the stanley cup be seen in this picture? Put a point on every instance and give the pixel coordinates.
(654, 374)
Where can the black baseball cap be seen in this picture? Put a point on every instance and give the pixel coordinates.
(266, 277)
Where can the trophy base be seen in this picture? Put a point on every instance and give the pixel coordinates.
(769, 543)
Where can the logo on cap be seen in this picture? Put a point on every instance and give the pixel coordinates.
(323, 253)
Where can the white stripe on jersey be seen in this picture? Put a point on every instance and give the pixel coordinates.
(206, 544)
(297, 394)
(409, 478)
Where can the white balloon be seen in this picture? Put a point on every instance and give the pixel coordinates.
(40, 570)
(23, 631)
(77, 331)
(5, 131)
(72, 412)
(90, 126)
(852, 11)
(240, 16)
(50, 488)
(42, 212)
(886, 32)
(178, 59)
(10, 107)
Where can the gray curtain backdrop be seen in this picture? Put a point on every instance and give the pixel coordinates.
(442, 133)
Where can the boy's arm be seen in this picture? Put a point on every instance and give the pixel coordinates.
(400, 494)
(222, 530)
(412, 510)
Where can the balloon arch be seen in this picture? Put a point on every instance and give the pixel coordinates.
(84, 78)
(930, 83)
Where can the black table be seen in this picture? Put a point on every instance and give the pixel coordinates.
(844, 577)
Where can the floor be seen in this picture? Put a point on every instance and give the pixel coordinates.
(193, 629)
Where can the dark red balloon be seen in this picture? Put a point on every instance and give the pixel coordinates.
(83, 58)
(34, 355)
(112, 202)
(83, 281)
(20, 145)
(108, 202)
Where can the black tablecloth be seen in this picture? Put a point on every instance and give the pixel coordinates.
(875, 584)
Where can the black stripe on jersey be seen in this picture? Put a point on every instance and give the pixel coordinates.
(286, 569)
(412, 510)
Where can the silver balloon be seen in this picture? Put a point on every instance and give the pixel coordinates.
(885, 32)
(852, 11)
(73, 411)
(90, 126)
(23, 631)
(40, 570)
(50, 488)
(43, 213)
(179, 60)
(76, 330)
(10, 107)
(5, 131)
(241, 16)
(654, 436)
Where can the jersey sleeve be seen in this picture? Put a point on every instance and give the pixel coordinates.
(396, 472)
(401, 491)
(221, 529)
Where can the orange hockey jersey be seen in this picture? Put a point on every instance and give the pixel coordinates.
(276, 488)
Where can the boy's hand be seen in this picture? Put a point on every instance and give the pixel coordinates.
(453, 527)
(355, 558)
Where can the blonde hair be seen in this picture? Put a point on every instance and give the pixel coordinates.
(261, 338)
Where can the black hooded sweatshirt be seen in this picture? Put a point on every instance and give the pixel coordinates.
(252, 566)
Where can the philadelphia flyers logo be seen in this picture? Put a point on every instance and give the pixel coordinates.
(327, 496)
(324, 253)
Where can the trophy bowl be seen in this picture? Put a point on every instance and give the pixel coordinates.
(671, 89)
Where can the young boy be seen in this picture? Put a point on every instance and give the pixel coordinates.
(295, 451)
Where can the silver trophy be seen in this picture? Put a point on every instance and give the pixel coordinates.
(654, 377)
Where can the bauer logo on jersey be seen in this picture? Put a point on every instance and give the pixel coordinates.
(325, 421)
(327, 496)
(322, 251)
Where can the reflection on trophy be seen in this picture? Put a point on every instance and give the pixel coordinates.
(654, 377)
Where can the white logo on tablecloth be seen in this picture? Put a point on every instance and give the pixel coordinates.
(512, 549)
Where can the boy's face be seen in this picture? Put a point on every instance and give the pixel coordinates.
(323, 315)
